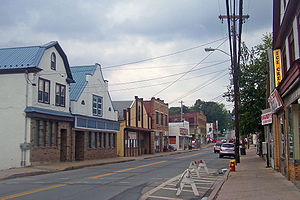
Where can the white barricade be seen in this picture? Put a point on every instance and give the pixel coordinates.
(202, 165)
(186, 178)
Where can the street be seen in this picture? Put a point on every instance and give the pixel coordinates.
(128, 180)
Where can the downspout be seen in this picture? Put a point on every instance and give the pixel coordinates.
(24, 147)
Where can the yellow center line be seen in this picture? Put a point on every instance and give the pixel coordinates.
(70, 183)
(32, 191)
(125, 170)
(190, 155)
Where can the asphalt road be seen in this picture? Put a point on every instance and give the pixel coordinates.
(129, 180)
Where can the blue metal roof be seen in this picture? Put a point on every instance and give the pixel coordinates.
(22, 58)
(79, 75)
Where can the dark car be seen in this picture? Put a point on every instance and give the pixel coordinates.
(227, 149)
(217, 147)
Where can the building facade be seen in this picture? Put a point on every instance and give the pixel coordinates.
(197, 123)
(159, 112)
(284, 97)
(136, 136)
(35, 123)
(179, 137)
(95, 120)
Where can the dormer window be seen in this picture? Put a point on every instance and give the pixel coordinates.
(53, 61)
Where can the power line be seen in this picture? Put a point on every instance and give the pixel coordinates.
(187, 71)
(162, 56)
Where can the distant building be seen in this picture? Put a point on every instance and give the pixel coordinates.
(197, 124)
(136, 136)
(159, 112)
(179, 136)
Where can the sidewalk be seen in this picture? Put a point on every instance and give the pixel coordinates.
(63, 166)
(252, 180)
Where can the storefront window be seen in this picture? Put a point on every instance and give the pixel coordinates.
(282, 146)
(291, 132)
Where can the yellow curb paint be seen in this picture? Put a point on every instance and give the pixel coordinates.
(32, 191)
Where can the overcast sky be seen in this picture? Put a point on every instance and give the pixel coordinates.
(117, 32)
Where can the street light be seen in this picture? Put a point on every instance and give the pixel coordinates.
(236, 89)
(212, 49)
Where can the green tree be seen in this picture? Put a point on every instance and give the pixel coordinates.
(252, 86)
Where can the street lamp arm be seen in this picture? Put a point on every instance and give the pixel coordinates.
(212, 49)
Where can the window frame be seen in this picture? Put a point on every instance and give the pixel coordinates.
(42, 97)
(98, 101)
(60, 95)
(156, 117)
(53, 61)
(161, 119)
(291, 46)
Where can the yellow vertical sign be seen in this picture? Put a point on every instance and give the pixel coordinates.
(277, 65)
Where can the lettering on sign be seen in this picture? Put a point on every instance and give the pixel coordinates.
(266, 118)
(277, 63)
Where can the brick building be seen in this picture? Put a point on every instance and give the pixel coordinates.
(197, 123)
(95, 120)
(136, 136)
(159, 112)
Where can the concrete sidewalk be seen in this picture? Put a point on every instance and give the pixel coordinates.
(63, 166)
(252, 180)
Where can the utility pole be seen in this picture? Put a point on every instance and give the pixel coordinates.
(235, 57)
(181, 110)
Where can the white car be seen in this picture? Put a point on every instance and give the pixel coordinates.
(227, 149)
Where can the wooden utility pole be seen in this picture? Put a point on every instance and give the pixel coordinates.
(235, 63)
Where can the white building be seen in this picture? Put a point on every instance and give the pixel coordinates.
(96, 121)
(179, 136)
(35, 122)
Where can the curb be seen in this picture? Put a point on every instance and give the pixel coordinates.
(218, 187)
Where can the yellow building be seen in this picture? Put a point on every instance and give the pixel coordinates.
(136, 136)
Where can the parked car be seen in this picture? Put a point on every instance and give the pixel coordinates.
(217, 147)
(227, 149)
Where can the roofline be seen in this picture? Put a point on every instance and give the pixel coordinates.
(20, 70)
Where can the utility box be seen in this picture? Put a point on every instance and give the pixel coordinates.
(25, 146)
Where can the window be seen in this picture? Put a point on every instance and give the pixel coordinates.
(298, 27)
(291, 48)
(60, 95)
(108, 140)
(166, 120)
(50, 134)
(95, 140)
(55, 132)
(156, 118)
(104, 140)
(284, 62)
(162, 119)
(113, 140)
(43, 142)
(89, 140)
(100, 139)
(53, 61)
(37, 133)
(139, 113)
(44, 91)
(97, 105)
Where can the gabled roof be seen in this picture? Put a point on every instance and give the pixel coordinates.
(20, 59)
(79, 75)
(120, 106)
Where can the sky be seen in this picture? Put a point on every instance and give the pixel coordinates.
(147, 48)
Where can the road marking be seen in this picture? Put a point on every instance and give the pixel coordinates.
(32, 191)
(124, 170)
(190, 155)
(159, 197)
(175, 189)
(70, 183)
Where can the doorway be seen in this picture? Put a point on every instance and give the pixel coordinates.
(79, 145)
(63, 145)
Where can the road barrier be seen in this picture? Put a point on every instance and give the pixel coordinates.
(186, 178)
(201, 165)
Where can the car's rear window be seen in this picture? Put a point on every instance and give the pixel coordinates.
(218, 144)
(227, 145)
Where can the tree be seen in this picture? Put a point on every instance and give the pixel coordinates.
(252, 86)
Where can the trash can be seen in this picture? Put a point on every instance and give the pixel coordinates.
(243, 151)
